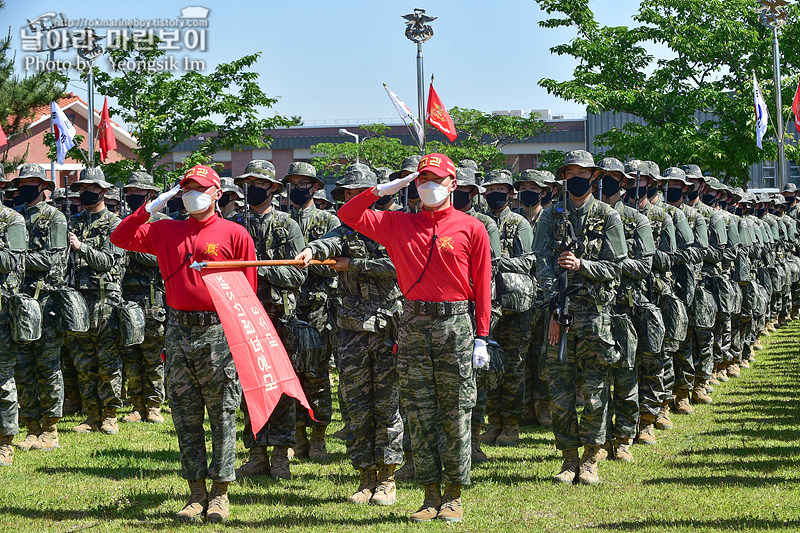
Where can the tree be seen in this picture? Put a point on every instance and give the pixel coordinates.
(222, 109)
(19, 96)
(376, 149)
(712, 48)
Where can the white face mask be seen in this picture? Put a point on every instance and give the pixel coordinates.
(197, 201)
(431, 194)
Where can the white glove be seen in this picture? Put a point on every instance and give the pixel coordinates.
(162, 199)
(480, 355)
(387, 189)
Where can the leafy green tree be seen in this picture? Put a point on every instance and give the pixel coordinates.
(376, 149)
(709, 50)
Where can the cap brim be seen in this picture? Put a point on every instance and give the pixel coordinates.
(204, 182)
(48, 184)
(102, 183)
(441, 172)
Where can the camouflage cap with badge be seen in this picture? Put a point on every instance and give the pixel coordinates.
(356, 176)
(580, 158)
(91, 176)
(322, 194)
(258, 169)
(31, 170)
(531, 175)
(140, 180)
(498, 176)
(465, 177)
(301, 168)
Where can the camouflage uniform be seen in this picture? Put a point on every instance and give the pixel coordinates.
(39, 379)
(367, 317)
(143, 284)
(99, 270)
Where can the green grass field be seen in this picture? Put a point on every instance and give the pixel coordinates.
(732, 466)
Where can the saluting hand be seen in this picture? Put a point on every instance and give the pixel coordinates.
(74, 242)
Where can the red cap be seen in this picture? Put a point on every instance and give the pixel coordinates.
(439, 164)
(205, 176)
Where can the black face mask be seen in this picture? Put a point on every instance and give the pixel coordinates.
(674, 194)
(636, 192)
(90, 198)
(547, 197)
(412, 191)
(384, 200)
(578, 186)
(257, 196)
(135, 201)
(18, 201)
(709, 199)
(175, 205)
(74, 209)
(652, 192)
(9, 203)
(693, 195)
(496, 200)
(738, 211)
(722, 204)
(460, 199)
(760, 212)
(791, 200)
(298, 196)
(28, 193)
(529, 198)
(610, 186)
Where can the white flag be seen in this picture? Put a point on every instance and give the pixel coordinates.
(64, 132)
(762, 116)
(406, 114)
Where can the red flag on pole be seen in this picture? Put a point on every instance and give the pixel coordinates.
(438, 117)
(3, 139)
(796, 108)
(105, 133)
(262, 363)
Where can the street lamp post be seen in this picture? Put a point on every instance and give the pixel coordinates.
(418, 31)
(773, 15)
(343, 131)
(89, 51)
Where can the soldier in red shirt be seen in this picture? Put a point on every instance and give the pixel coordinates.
(199, 365)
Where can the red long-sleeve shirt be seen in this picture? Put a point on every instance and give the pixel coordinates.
(460, 265)
(171, 241)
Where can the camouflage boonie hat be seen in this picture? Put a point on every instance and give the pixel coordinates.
(72, 194)
(779, 200)
(32, 170)
(763, 198)
(581, 158)
(322, 194)
(612, 164)
(637, 165)
(714, 184)
(465, 177)
(228, 185)
(59, 194)
(112, 194)
(789, 187)
(652, 169)
(301, 168)
(736, 194)
(532, 176)
(382, 173)
(498, 176)
(471, 164)
(692, 171)
(259, 169)
(140, 180)
(91, 176)
(410, 164)
(675, 174)
(356, 176)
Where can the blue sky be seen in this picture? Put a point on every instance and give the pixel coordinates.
(327, 59)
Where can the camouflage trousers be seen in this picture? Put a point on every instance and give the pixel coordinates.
(437, 384)
(513, 333)
(723, 339)
(72, 390)
(8, 388)
(535, 382)
(317, 383)
(201, 376)
(670, 353)
(40, 383)
(650, 357)
(590, 351)
(740, 327)
(696, 350)
(371, 389)
(623, 403)
(97, 357)
(144, 369)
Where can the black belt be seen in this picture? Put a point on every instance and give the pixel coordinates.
(190, 319)
(420, 308)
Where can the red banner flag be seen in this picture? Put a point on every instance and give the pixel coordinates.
(796, 108)
(262, 363)
(105, 134)
(438, 117)
(3, 139)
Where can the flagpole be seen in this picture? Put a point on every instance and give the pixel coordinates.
(779, 106)
(53, 130)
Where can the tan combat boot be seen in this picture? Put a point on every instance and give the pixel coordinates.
(280, 463)
(744, 363)
(733, 370)
(451, 510)
(92, 422)
(34, 431)
(663, 421)
(757, 345)
(386, 491)
(301, 446)
(493, 431)
(587, 472)
(109, 425)
(6, 450)
(196, 507)
(367, 478)
(477, 454)
(218, 502)
(622, 450)
(154, 415)
(543, 413)
(510, 434)
(605, 450)
(569, 469)
(722, 375)
(407, 470)
(316, 448)
(257, 463)
(137, 415)
(431, 504)
(682, 405)
(48, 440)
(647, 430)
(699, 395)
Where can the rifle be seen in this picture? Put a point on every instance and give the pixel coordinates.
(560, 305)
(246, 208)
(199, 265)
(71, 266)
(123, 205)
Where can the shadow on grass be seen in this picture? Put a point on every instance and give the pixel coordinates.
(129, 464)
(726, 480)
(731, 524)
